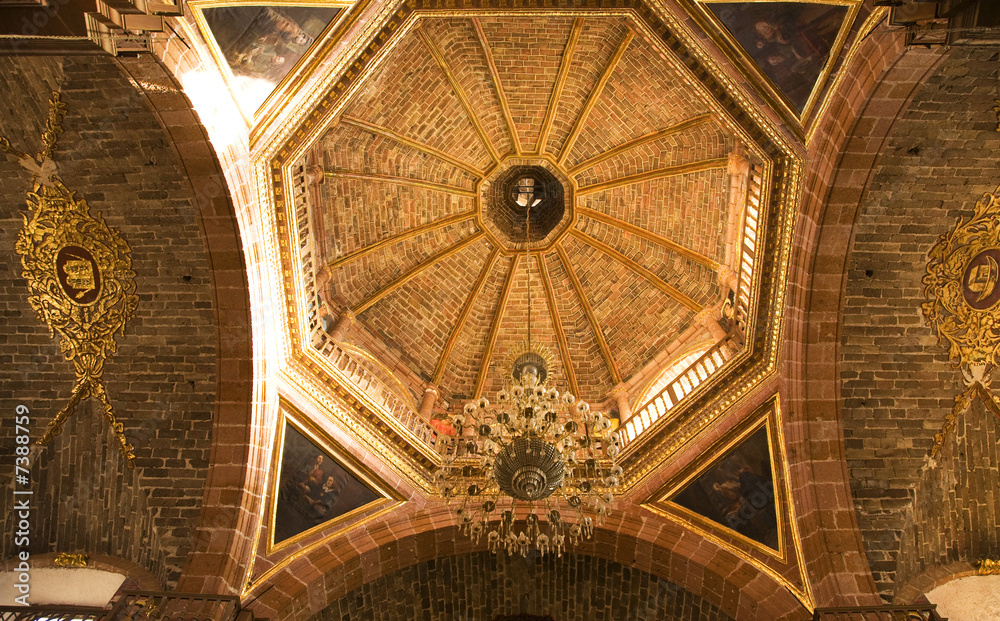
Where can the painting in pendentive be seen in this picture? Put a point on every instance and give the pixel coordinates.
(261, 44)
(737, 491)
(790, 42)
(313, 487)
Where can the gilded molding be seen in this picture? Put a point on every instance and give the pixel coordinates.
(789, 553)
(988, 567)
(80, 278)
(331, 529)
(804, 123)
(962, 287)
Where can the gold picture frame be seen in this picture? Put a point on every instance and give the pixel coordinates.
(801, 122)
(300, 67)
(290, 417)
(789, 552)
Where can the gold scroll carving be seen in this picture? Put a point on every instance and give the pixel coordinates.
(962, 287)
(79, 274)
(65, 559)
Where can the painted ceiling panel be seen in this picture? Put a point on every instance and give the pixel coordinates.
(789, 41)
(262, 43)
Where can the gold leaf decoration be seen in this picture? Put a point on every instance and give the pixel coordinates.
(962, 287)
(80, 278)
(65, 559)
(963, 292)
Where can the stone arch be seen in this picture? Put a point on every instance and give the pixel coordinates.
(896, 383)
(407, 537)
(481, 585)
(211, 566)
(932, 577)
(133, 149)
(846, 146)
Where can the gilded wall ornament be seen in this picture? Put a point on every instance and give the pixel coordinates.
(962, 287)
(987, 567)
(79, 274)
(65, 559)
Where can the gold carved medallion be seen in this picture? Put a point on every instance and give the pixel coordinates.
(79, 274)
(962, 287)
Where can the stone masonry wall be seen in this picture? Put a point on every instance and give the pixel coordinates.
(481, 586)
(162, 381)
(897, 384)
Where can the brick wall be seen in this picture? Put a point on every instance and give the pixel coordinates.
(896, 382)
(162, 381)
(954, 516)
(481, 586)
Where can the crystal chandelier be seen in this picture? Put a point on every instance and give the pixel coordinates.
(533, 469)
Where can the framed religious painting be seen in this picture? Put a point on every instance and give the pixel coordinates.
(260, 46)
(736, 492)
(786, 49)
(317, 486)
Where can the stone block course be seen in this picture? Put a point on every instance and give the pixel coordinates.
(897, 384)
(481, 586)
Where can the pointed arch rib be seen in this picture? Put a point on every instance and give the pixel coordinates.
(589, 312)
(491, 341)
(672, 171)
(567, 60)
(595, 94)
(497, 85)
(557, 324)
(423, 265)
(460, 324)
(641, 140)
(413, 144)
(416, 183)
(401, 237)
(457, 88)
(684, 251)
(638, 269)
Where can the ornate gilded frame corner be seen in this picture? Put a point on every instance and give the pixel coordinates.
(789, 553)
(292, 81)
(331, 529)
(803, 124)
(65, 559)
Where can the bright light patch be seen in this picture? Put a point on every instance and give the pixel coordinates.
(211, 98)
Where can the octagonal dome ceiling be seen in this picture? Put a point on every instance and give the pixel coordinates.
(409, 223)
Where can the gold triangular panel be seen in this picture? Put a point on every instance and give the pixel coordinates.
(737, 491)
(314, 487)
(317, 491)
(736, 494)
(793, 44)
(317, 487)
(258, 45)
